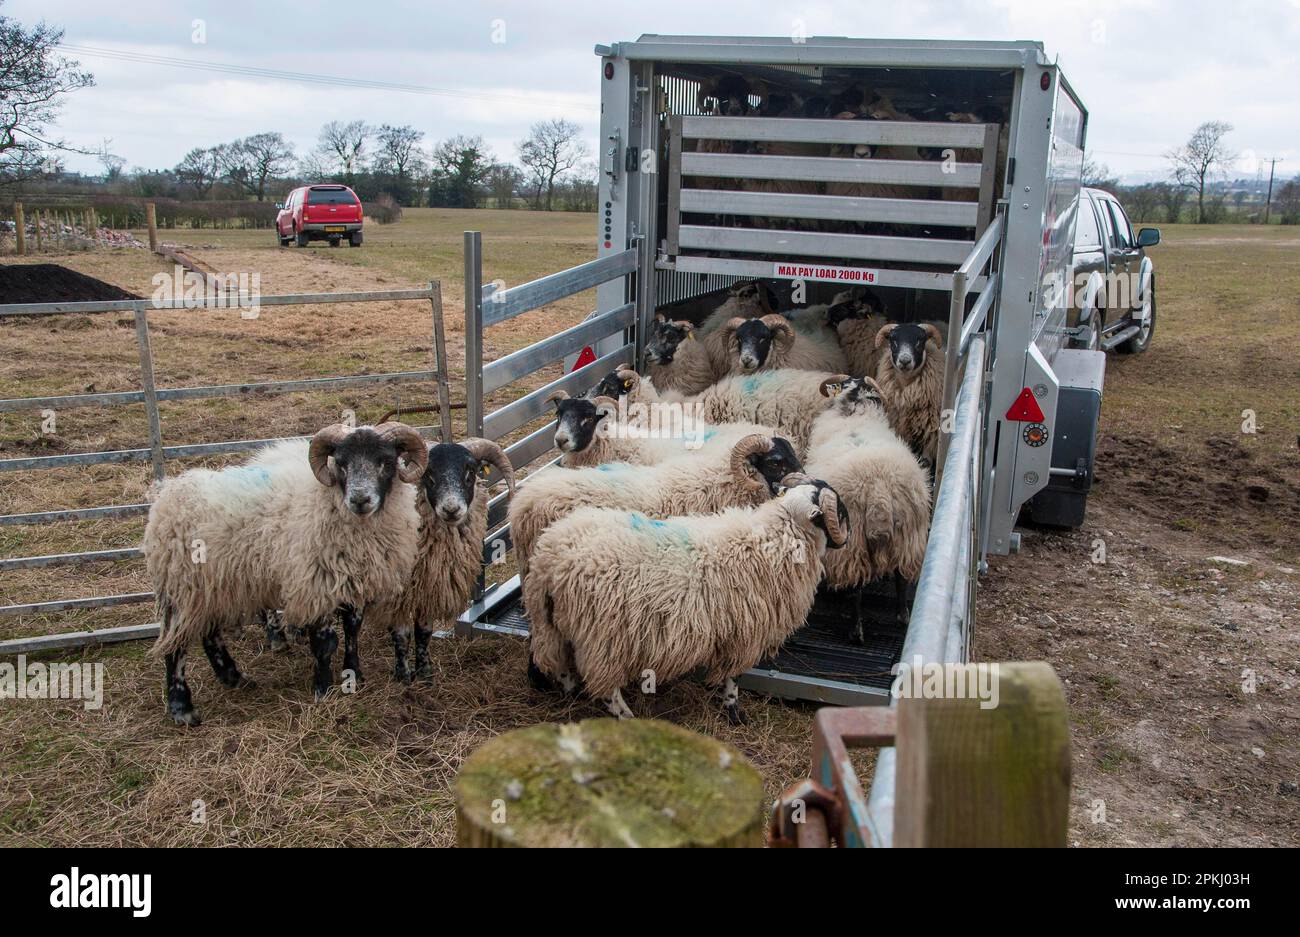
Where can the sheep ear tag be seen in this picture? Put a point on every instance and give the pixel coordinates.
(1025, 409)
(485, 470)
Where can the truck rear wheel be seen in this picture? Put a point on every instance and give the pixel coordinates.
(302, 239)
(355, 239)
(1142, 340)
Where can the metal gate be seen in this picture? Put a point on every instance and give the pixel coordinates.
(159, 454)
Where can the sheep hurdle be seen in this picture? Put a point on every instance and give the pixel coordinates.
(159, 454)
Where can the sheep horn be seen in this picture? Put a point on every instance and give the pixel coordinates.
(557, 395)
(322, 447)
(412, 446)
(794, 479)
(935, 335)
(780, 325)
(829, 502)
(485, 450)
(734, 323)
(836, 381)
(884, 333)
(607, 405)
(741, 470)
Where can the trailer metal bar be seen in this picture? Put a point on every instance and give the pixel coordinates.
(521, 363)
(829, 50)
(735, 267)
(527, 408)
(506, 304)
(806, 130)
(805, 243)
(831, 169)
(943, 589)
(829, 207)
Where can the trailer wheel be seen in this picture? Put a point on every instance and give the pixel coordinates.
(1142, 340)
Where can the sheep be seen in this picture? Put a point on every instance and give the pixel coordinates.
(452, 507)
(745, 473)
(786, 400)
(748, 299)
(772, 342)
(884, 488)
(314, 529)
(857, 316)
(613, 594)
(880, 108)
(911, 382)
(679, 363)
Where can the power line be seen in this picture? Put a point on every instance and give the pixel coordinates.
(253, 71)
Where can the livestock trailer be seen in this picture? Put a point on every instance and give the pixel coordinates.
(944, 175)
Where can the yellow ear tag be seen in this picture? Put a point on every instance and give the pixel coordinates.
(485, 470)
(690, 336)
(627, 385)
(836, 389)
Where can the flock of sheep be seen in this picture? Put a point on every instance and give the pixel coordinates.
(798, 455)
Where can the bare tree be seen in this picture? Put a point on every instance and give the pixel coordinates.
(553, 148)
(1142, 201)
(1197, 161)
(112, 163)
(33, 77)
(503, 182)
(399, 160)
(200, 169)
(344, 146)
(1288, 201)
(1098, 175)
(1172, 198)
(253, 161)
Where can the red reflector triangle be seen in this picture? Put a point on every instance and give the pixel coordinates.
(585, 357)
(1026, 408)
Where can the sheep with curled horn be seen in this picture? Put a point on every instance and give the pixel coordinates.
(680, 364)
(452, 505)
(702, 482)
(884, 488)
(593, 432)
(771, 342)
(717, 592)
(320, 529)
(910, 376)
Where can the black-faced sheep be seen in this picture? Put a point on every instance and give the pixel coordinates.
(452, 507)
(786, 400)
(910, 376)
(593, 431)
(678, 363)
(613, 594)
(857, 316)
(883, 486)
(747, 473)
(772, 342)
(313, 529)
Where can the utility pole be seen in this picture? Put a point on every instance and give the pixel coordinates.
(1268, 204)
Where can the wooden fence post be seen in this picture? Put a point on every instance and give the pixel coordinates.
(970, 776)
(20, 230)
(36, 218)
(608, 782)
(152, 221)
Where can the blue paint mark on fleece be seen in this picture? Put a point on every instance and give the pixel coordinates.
(253, 474)
(613, 466)
(756, 382)
(660, 530)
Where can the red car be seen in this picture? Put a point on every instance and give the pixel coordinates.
(319, 213)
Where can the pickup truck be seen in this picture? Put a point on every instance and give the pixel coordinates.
(1114, 281)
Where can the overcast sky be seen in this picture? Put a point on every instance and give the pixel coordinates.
(1148, 70)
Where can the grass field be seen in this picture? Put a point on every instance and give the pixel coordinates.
(1180, 482)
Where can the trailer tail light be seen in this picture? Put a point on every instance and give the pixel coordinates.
(609, 70)
(1025, 409)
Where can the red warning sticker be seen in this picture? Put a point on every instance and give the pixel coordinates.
(786, 270)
